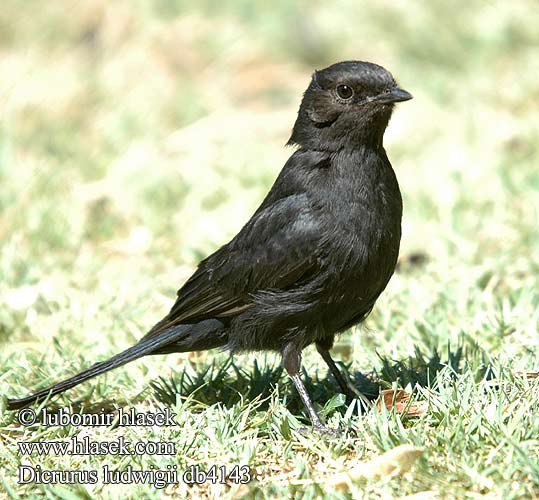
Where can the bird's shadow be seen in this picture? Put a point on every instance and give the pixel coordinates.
(227, 383)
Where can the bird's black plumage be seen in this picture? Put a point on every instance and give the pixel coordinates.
(317, 253)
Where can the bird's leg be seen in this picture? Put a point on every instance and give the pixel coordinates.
(351, 393)
(292, 362)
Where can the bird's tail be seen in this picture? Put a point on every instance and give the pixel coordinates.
(177, 338)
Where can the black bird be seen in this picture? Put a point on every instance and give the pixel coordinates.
(313, 258)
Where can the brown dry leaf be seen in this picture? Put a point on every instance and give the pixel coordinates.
(393, 463)
(508, 386)
(399, 399)
(526, 374)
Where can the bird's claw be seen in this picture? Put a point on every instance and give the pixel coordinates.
(322, 430)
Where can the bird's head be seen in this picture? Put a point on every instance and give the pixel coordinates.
(346, 104)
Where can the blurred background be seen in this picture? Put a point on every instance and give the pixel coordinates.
(138, 136)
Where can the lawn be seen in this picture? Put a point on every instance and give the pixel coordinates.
(140, 136)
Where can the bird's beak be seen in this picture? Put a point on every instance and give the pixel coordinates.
(394, 95)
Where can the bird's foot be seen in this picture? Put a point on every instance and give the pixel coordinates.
(349, 398)
(352, 394)
(322, 430)
(328, 432)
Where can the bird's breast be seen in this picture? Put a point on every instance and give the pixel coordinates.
(364, 208)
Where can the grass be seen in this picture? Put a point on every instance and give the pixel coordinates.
(141, 136)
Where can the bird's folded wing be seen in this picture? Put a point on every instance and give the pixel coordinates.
(275, 250)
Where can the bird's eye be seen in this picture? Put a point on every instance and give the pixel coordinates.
(345, 92)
